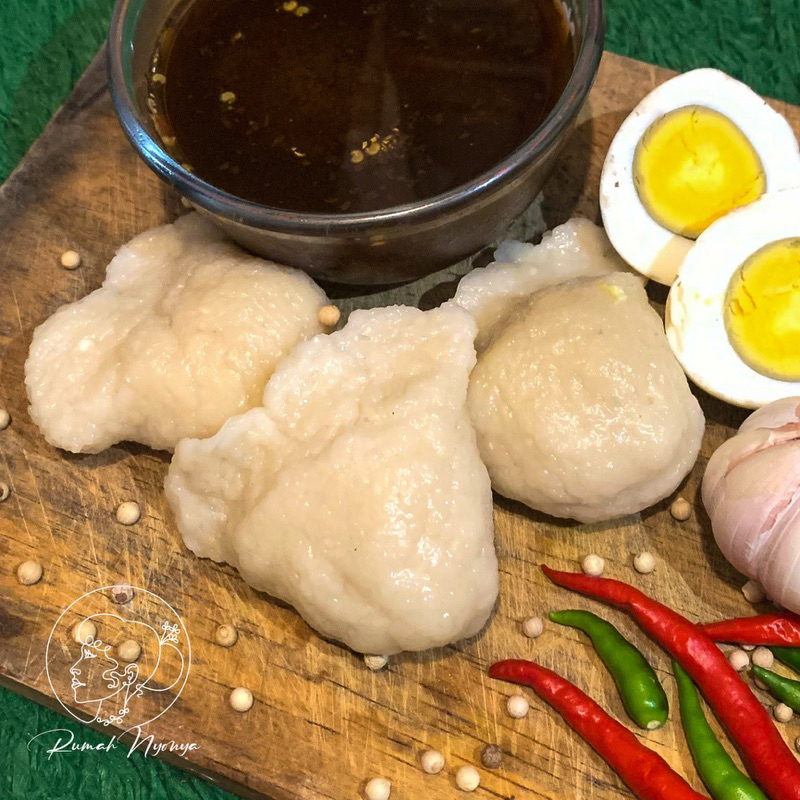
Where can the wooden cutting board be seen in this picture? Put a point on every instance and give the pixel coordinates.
(322, 723)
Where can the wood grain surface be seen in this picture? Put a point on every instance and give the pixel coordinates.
(322, 723)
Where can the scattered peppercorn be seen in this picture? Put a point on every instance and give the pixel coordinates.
(128, 513)
(70, 259)
(432, 762)
(129, 651)
(226, 635)
(328, 316)
(468, 779)
(532, 627)
(5, 419)
(121, 594)
(376, 662)
(762, 657)
(738, 659)
(5, 491)
(593, 565)
(644, 563)
(517, 706)
(753, 592)
(491, 756)
(29, 572)
(783, 713)
(241, 699)
(681, 510)
(378, 789)
(84, 631)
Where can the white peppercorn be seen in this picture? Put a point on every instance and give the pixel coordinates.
(226, 635)
(129, 651)
(128, 513)
(70, 259)
(241, 699)
(754, 592)
(378, 789)
(468, 778)
(593, 565)
(432, 762)
(29, 573)
(517, 706)
(738, 659)
(644, 562)
(762, 657)
(532, 627)
(681, 510)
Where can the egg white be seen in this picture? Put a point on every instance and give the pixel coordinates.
(647, 246)
(694, 316)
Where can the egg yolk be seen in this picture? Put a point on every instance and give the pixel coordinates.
(762, 310)
(692, 166)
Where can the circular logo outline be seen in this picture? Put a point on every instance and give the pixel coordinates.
(136, 589)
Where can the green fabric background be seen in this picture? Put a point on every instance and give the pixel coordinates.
(44, 47)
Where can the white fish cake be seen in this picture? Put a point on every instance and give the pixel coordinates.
(580, 408)
(356, 493)
(184, 332)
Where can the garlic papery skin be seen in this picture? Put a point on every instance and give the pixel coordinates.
(751, 491)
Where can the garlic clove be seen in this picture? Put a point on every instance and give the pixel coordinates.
(750, 490)
(773, 415)
(747, 515)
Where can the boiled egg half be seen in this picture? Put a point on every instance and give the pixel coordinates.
(733, 313)
(697, 147)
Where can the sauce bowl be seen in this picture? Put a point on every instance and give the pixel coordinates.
(386, 246)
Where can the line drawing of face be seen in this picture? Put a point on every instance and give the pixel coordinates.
(98, 677)
(86, 688)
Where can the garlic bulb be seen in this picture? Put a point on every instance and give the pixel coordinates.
(751, 490)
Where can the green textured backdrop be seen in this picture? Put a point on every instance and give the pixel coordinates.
(44, 47)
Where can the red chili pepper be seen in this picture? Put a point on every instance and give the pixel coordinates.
(777, 628)
(764, 753)
(645, 772)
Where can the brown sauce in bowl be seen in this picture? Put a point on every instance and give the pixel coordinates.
(354, 105)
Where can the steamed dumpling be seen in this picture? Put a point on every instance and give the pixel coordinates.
(356, 491)
(184, 332)
(580, 408)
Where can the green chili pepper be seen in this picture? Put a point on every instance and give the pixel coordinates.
(784, 689)
(787, 655)
(638, 686)
(721, 776)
